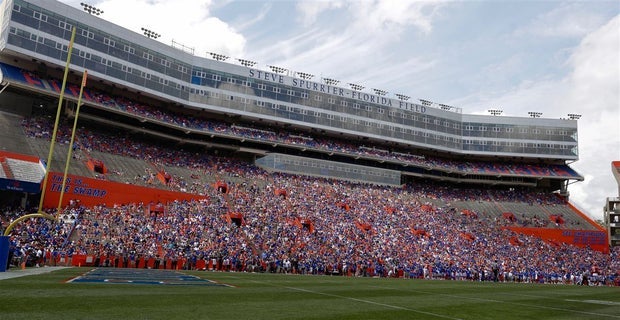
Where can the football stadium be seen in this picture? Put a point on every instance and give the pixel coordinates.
(142, 180)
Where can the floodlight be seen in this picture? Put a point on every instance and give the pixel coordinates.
(247, 63)
(305, 76)
(277, 69)
(90, 9)
(331, 82)
(402, 96)
(426, 103)
(150, 33)
(218, 57)
(379, 92)
(356, 87)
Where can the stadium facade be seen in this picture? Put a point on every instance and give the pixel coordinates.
(35, 35)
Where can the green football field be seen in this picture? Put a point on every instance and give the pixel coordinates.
(279, 296)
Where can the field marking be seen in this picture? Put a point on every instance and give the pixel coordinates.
(142, 276)
(506, 302)
(603, 302)
(354, 299)
(372, 302)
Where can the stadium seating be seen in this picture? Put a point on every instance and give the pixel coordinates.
(452, 245)
(264, 221)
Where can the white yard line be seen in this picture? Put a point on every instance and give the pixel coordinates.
(358, 300)
(510, 303)
(373, 302)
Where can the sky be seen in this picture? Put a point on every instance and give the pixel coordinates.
(554, 57)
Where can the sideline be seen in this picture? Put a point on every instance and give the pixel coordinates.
(16, 273)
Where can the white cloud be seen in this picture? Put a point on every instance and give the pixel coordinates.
(355, 41)
(567, 20)
(310, 10)
(390, 18)
(595, 93)
(592, 89)
(188, 22)
(257, 18)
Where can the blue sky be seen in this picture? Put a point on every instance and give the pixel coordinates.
(555, 57)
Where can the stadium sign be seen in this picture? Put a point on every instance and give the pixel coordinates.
(19, 186)
(92, 192)
(337, 91)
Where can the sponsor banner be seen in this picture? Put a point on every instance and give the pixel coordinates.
(596, 240)
(19, 186)
(91, 192)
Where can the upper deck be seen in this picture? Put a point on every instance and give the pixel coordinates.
(40, 30)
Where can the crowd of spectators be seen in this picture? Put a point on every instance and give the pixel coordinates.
(202, 164)
(332, 145)
(316, 226)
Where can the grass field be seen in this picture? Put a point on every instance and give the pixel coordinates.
(278, 296)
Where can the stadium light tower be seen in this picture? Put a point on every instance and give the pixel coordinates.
(304, 75)
(278, 69)
(426, 103)
(247, 63)
(535, 114)
(402, 96)
(356, 87)
(445, 107)
(495, 112)
(379, 92)
(90, 9)
(218, 57)
(331, 82)
(574, 116)
(150, 34)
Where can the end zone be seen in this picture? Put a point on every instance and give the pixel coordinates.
(142, 276)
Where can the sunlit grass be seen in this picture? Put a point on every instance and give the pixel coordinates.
(278, 296)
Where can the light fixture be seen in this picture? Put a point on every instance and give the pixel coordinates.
(356, 87)
(305, 76)
(247, 63)
(277, 69)
(426, 103)
(218, 57)
(90, 9)
(379, 92)
(331, 82)
(402, 96)
(150, 33)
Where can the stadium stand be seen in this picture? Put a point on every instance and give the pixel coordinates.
(250, 246)
(184, 122)
(127, 158)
